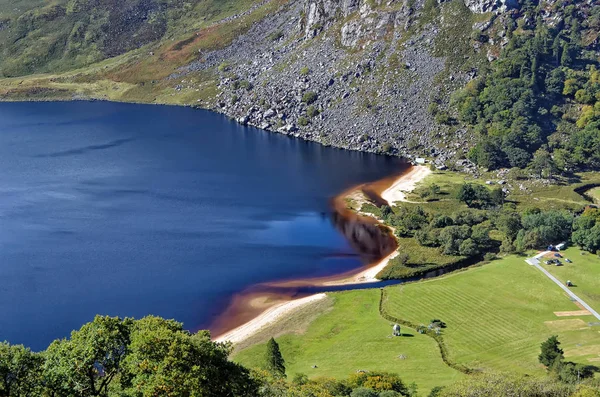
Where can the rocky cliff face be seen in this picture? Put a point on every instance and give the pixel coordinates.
(370, 75)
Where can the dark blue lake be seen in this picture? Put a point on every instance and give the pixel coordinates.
(132, 210)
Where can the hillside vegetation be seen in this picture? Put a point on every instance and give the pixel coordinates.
(60, 35)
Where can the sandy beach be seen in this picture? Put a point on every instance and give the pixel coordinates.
(276, 310)
(267, 318)
(404, 184)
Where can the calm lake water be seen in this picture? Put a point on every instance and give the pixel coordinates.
(130, 210)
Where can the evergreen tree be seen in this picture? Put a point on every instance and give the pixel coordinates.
(557, 49)
(275, 362)
(534, 71)
(565, 58)
(551, 351)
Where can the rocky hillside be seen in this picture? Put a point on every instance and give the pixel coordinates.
(371, 75)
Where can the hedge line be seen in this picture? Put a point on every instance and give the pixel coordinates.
(438, 338)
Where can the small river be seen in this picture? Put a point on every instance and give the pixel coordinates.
(130, 210)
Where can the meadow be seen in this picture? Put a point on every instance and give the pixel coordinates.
(595, 193)
(497, 315)
(353, 336)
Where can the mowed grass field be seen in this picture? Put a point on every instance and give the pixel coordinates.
(595, 193)
(584, 272)
(354, 337)
(497, 316)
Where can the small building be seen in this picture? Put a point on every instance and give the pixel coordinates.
(561, 246)
(420, 160)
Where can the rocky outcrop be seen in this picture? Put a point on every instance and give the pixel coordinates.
(484, 6)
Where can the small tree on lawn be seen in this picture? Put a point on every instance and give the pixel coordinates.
(551, 351)
(275, 361)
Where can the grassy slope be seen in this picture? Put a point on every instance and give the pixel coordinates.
(138, 76)
(497, 316)
(595, 193)
(584, 272)
(353, 336)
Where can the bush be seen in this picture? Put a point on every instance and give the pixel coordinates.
(363, 392)
(489, 256)
(304, 71)
(303, 121)
(312, 111)
(378, 381)
(468, 248)
(309, 97)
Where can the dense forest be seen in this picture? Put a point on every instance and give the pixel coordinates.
(155, 357)
(538, 105)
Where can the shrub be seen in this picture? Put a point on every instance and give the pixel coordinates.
(304, 71)
(312, 111)
(303, 121)
(309, 97)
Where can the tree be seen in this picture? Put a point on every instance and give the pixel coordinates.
(385, 211)
(474, 195)
(378, 381)
(88, 362)
(497, 196)
(555, 82)
(566, 59)
(542, 164)
(550, 351)
(452, 237)
(574, 373)
(363, 392)
(509, 223)
(468, 248)
(275, 363)
(166, 360)
(19, 371)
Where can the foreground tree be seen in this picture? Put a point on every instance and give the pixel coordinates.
(19, 371)
(551, 351)
(275, 363)
(166, 360)
(87, 363)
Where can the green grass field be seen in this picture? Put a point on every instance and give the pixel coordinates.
(353, 336)
(584, 272)
(595, 193)
(497, 316)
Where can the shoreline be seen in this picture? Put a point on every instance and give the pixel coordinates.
(404, 184)
(260, 309)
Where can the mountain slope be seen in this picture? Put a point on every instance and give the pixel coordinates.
(360, 74)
